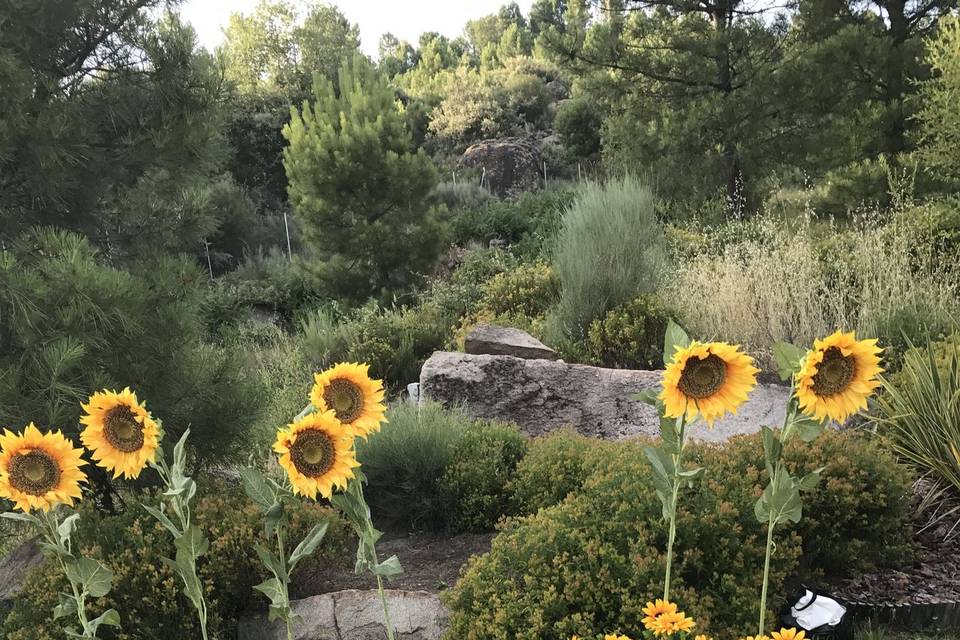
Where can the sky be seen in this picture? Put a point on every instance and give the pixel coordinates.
(406, 19)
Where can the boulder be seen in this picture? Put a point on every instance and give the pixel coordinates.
(355, 615)
(543, 395)
(510, 165)
(506, 341)
(14, 568)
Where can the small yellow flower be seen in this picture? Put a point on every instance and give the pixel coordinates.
(669, 623)
(707, 379)
(348, 390)
(837, 376)
(757, 638)
(788, 634)
(654, 610)
(702, 637)
(120, 433)
(610, 636)
(39, 470)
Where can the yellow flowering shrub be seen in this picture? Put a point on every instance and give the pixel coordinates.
(146, 591)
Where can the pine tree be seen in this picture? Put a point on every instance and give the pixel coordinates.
(358, 187)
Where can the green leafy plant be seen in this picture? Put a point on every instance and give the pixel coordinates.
(188, 539)
(88, 577)
(275, 500)
(919, 415)
(631, 335)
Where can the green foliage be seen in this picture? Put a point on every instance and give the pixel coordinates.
(460, 293)
(404, 464)
(476, 480)
(631, 335)
(611, 249)
(275, 50)
(145, 589)
(132, 159)
(72, 325)
(589, 563)
(555, 466)
(528, 222)
(939, 114)
(394, 342)
(462, 195)
(920, 413)
(357, 187)
(578, 123)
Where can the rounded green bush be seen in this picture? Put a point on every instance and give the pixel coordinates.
(477, 478)
(587, 564)
(631, 335)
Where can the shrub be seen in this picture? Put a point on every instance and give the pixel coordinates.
(517, 298)
(587, 564)
(405, 462)
(476, 480)
(460, 293)
(610, 250)
(920, 413)
(394, 342)
(631, 335)
(462, 195)
(71, 325)
(578, 122)
(145, 590)
(792, 284)
(528, 222)
(555, 466)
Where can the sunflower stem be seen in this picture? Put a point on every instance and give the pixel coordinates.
(284, 580)
(386, 609)
(674, 496)
(53, 537)
(766, 575)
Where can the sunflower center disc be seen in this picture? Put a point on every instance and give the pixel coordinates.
(312, 453)
(345, 398)
(834, 373)
(34, 473)
(122, 430)
(703, 377)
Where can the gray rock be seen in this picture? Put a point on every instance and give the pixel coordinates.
(14, 568)
(355, 615)
(487, 339)
(543, 395)
(510, 165)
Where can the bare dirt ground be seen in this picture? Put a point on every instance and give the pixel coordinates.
(431, 562)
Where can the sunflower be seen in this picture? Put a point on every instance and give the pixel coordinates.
(837, 376)
(708, 379)
(348, 391)
(669, 623)
(317, 453)
(788, 634)
(119, 432)
(39, 470)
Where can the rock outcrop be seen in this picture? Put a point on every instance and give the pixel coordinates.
(14, 568)
(488, 339)
(510, 165)
(355, 615)
(543, 395)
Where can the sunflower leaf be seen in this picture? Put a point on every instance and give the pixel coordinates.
(65, 530)
(787, 357)
(110, 617)
(180, 453)
(309, 544)
(162, 518)
(21, 517)
(674, 338)
(388, 568)
(273, 589)
(810, 481)
(772, 448)
(54, 551)
(67, 606)
(192, 544)
(807, 428)
(269, 560)
(94, 576)
(256, 487)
